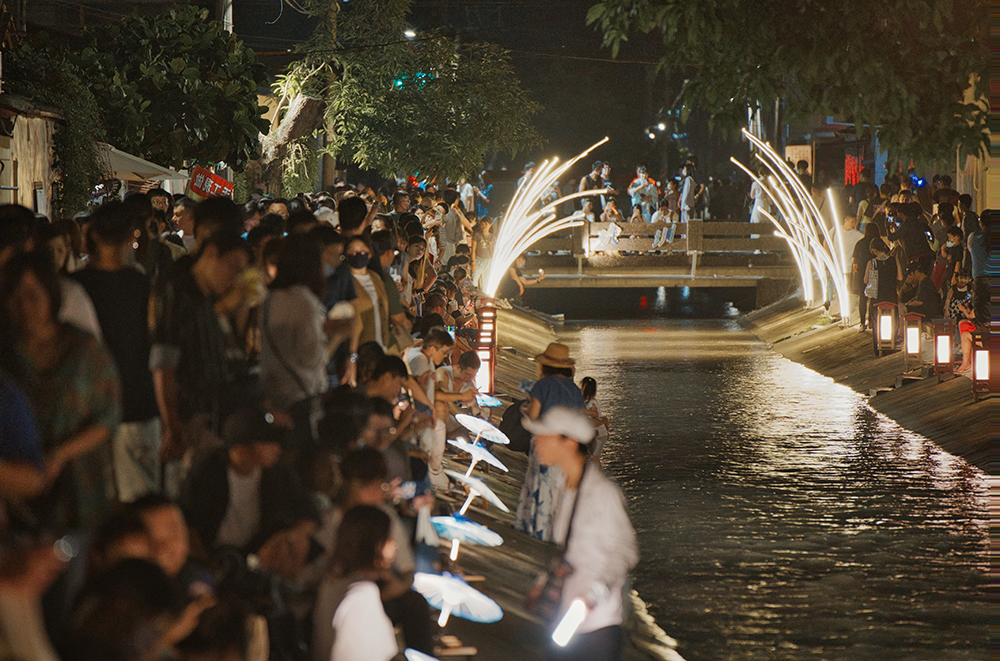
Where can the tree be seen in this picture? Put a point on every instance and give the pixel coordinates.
(40, 74)
(176, 87)
(903, 67)
(394, 104)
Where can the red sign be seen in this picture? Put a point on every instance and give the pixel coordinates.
(205, 183)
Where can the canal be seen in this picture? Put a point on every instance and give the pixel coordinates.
(779, 517)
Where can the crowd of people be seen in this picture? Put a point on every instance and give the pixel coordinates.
(923, 249)
(220, 424)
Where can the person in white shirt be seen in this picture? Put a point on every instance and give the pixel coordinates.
(593, 526)
(688, 194)
(468, 196)
(422, 361)
(359, 629)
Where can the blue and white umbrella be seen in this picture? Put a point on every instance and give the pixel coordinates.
(470, 532)
(479, 453)
(482, 429)
(488, 401)
(453, 596)
(459, 529)
(476, 488)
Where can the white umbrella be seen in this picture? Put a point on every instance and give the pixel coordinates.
(413, 655)
(482, 429)
(453, 596)
(476, 488)
(479, 453)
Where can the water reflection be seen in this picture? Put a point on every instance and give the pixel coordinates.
(779, 516)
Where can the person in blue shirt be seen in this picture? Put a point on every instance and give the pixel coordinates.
(22, 468)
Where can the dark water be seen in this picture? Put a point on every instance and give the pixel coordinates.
(778, 516)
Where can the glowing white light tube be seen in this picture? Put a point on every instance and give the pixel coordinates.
(571, 621)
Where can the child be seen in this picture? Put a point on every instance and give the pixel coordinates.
(589, 388)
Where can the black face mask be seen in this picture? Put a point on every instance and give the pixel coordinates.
(358, 260)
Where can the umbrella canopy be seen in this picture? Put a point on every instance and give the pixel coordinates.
(482, 429)
(488, 401)
(450, 594)
(132, 168)
(413, 655)
(460, 528)
(479, 453)
(477, 486)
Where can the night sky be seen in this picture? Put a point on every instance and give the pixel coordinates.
(559, 59)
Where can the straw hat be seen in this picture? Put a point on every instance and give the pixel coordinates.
(556, 355)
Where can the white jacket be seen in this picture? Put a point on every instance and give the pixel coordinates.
(601, 549)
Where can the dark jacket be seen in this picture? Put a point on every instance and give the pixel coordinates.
(205, 498)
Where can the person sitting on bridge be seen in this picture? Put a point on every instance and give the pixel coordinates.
(611, 213)
(514, 282)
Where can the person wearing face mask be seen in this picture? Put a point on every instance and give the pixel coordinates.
(371, 304)
(954, 254)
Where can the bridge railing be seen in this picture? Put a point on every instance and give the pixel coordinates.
(691, 237)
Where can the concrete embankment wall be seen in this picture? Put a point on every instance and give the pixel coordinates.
(509, 570)
(943, 412)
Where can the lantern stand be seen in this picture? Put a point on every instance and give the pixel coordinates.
(980, 366)
(912, 325)
(486, 347)
(885, 328)
(943, 332)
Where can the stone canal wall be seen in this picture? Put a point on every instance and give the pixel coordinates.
(943, 412)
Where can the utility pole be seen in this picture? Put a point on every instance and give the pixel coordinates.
(224, 13)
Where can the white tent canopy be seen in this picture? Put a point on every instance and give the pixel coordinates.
(132, 168)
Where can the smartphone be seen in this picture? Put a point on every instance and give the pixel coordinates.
(451, 331)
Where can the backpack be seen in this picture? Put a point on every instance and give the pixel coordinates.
(510, 424)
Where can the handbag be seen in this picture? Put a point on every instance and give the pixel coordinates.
(871, 289)
(545, 596)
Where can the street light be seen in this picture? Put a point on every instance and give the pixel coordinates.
(661, 126)
(410, 34)
(885, 327)
(943, 364)
(980, 365)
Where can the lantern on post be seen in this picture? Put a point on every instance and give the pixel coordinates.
(980, 365)
(912, 322)
(486, 346)
(885, 327)
(943, 331)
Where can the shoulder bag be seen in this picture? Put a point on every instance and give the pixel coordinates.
(871, 289)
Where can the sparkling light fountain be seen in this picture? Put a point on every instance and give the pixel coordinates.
(521, 227)
(802, 225)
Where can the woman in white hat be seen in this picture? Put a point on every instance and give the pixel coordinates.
(592, 525)
(542, 486)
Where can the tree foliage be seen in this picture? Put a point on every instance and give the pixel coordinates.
(400, 106)
(40, 75)
(904, 67)
(176, 87)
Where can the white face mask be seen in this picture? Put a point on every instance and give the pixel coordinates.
(950, 244)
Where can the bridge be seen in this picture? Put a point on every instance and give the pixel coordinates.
(701, 254)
